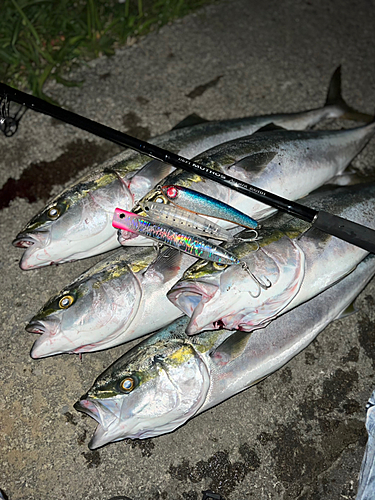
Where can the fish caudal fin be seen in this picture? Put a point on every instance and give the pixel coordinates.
(334, 98)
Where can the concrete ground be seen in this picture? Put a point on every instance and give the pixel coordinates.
(297, 435)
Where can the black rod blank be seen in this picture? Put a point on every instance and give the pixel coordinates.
(354, 233)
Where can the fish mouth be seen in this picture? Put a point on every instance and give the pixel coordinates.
(34, 243)
(103, 416)
(35, 326)
(24, 240)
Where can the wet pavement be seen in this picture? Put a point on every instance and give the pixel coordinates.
(300, 433)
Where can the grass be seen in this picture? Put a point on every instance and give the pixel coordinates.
(42, 40)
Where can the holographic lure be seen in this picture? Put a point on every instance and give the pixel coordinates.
(181, 240)
(183, 219)
(205, 205)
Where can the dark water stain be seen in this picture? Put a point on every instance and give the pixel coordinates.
(70, 418)
(299, 461)
(37, 180)
(142, 100)
(93, 458)
(299, 458)
(310, 358)
(198, 91)
(132, 126)
(145, 445)
(159, 495)
(335, 390)
(82, 438)
(352, 407)
(286, 375)
(366, 337)
(105, 76)
(353, 355)
(190, 495)
(224, 474)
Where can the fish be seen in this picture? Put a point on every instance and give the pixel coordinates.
(167, 379)
(179, 239)
(299, 261)
(286, 163)
(120, 298)
(77, 223)
(366, 483)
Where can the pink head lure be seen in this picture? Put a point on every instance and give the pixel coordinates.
(185, 242)
(206, 205)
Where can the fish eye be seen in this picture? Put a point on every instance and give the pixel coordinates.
(66, 301)
(127, 384)
(219, 266)
(53, 213)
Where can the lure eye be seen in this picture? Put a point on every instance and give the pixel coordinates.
(219, 266)
(127, 384)
(172, 192)
(161, 199)
(66, 301)
(53, 213)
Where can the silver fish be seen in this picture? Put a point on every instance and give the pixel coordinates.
(77, 223)
(167, 379)
(366, 487)
(287, 163)
(120, 298)
(299, 262)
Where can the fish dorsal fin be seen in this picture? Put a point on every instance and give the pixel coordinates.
(270, 127)
(232, 347)
(190, 121)
(351, 309)
(166, 264)
(255, 162)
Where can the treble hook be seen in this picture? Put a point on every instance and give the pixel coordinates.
(261, 284)
(254, 238)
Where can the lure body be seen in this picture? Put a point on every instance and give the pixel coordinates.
(206, 205)
(184, 219)
(183, 241)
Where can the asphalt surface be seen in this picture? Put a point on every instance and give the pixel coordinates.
(298, 434)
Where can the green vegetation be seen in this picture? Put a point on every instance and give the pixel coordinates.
(44, 39)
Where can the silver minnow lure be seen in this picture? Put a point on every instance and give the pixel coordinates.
(183, 241)
(169, 214)
(200, 203)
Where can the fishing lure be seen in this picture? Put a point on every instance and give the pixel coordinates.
(181, 240)
(199, 203)
(193, 223)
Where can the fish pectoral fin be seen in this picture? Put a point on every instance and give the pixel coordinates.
(270, 127)
(190, 121)
(255, 162)
(351, 309)
(232, 347)
(166, 264)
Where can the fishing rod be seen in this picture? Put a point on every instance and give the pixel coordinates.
(349, 231)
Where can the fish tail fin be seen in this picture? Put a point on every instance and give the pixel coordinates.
(334, 98)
